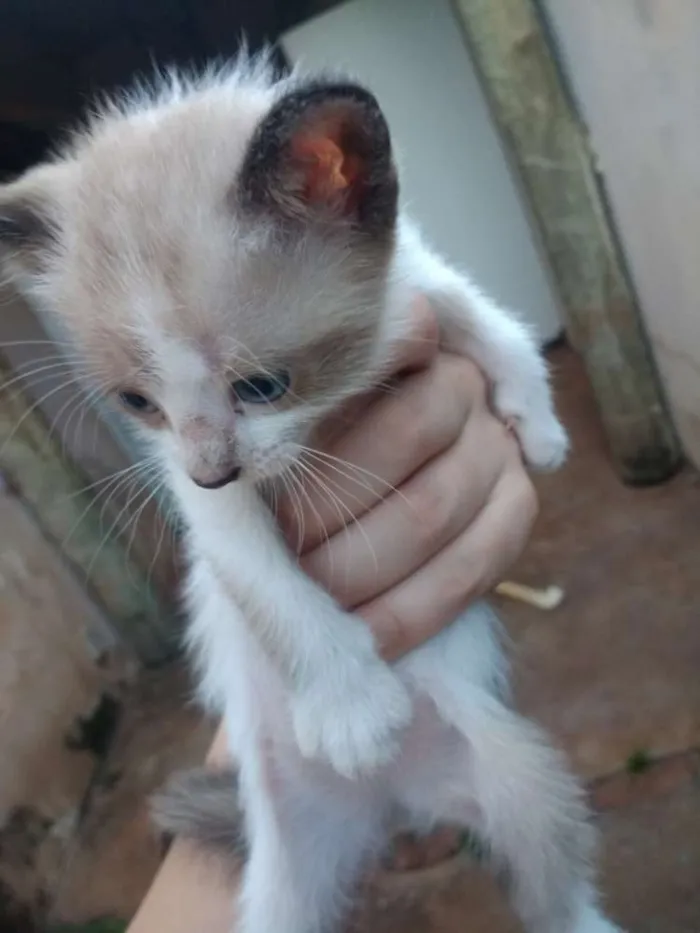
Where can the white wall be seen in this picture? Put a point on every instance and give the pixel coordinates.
(456, 181)
(635, 69)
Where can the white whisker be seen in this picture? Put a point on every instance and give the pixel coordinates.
(338, 503)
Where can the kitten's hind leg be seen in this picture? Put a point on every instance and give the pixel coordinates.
(509, 785)
(307, 840)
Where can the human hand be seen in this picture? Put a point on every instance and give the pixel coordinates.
(417, 501)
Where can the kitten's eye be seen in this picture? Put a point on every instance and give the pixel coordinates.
(138, 403)
(261, 387)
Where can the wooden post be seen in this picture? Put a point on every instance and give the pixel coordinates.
(55, 492)
(550, 150)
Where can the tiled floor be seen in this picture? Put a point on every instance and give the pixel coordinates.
(614, 673)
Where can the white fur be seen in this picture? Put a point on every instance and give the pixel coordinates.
(334, 746)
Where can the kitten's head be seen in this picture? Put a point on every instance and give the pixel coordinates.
(218, 254)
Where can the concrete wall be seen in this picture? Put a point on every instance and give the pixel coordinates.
(455, 177)
(634, 66)
(56, 663)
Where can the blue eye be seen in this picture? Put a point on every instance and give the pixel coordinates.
(261, 387)
(138, 403)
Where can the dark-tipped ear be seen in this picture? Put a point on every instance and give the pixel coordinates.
(29, 219)
(323, 150)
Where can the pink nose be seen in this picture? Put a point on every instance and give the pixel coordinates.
(220, 481)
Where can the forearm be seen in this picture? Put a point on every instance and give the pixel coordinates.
(191, 891)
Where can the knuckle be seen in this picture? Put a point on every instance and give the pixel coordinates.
(462, 584)
(444, 405)
(466, 380)
(436, 404)
(431, 509)
(526, 497)
(414, 424)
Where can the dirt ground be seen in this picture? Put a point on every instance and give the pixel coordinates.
(614, 673)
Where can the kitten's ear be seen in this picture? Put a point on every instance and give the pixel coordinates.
(323, 150)
(29, 219)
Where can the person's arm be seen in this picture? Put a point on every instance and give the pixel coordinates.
(191, 892)
(463, 511)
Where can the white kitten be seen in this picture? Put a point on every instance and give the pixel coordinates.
(228, 258)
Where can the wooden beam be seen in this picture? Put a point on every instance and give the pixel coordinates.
(550, 151)
(55, 492)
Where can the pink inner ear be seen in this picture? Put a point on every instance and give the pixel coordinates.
(328, 171)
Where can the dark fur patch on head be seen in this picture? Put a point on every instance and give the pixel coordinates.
(273, 177)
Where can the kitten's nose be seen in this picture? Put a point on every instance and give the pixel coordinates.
(230, 477)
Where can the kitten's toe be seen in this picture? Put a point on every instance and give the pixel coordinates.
(592, 920)
(544, 442)
(355, 728)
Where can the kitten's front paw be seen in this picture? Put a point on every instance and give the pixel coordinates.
(352, 720)
(543, 440)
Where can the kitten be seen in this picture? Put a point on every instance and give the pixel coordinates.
(228, 257)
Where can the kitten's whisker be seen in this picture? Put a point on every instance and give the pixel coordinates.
(274, 503)
(334, 498)
(4, 344)
(304, 493)
(91, 504)
(317, 514)
(132, 523)
(161, 536)
(299, 465)
(297, 508)
(329, 496)
(136, 517)
(331, 461)
(331, 466)
(88, 402)
(123, 485)
(347, 494)
(112, 484)
(25, 376)
(127, 505)
(40, 401)
(110, 478)
(159, 520)
(77, 402)
(22, 365)
(302, 514)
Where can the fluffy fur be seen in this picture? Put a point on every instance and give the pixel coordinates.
(235, 225)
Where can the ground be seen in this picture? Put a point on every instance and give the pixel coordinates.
(614, 673)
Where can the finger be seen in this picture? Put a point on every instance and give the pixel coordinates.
(396, 436)
(409, 527)
(421, 606)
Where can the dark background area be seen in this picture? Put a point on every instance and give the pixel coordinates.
(56, 54)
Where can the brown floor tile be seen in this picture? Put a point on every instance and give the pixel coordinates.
(651, 864)
(118, 852)
(659, 779)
